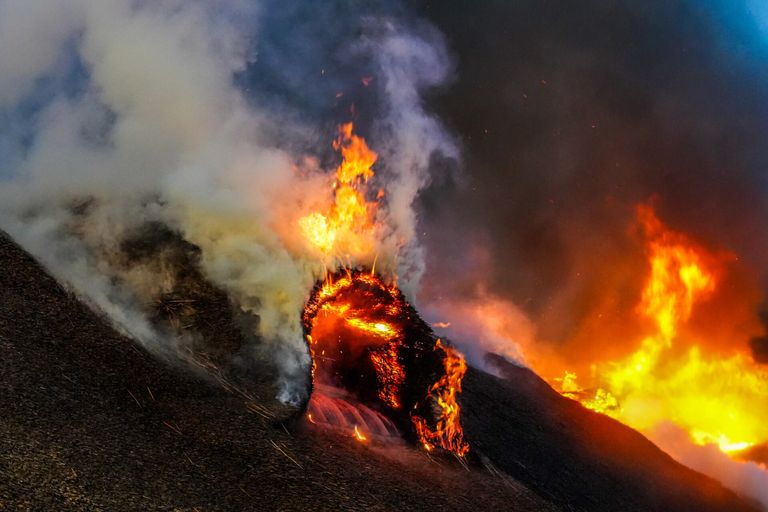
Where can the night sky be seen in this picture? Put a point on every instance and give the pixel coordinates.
(569, 113)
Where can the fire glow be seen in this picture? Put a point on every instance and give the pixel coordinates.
(364, 337)
(347, 227)
(672, 376)
(367, 343)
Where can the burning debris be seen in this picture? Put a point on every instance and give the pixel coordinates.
(369, 343)
(447, 433)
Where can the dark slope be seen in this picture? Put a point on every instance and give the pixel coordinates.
(576, 457)
(90, 421)
(79, 430)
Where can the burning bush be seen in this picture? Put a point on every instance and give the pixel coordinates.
(365, 338)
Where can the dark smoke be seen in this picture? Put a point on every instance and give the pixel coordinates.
(760, 349)
(572, 112)
(214, 121)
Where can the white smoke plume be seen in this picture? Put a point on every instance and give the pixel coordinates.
(116, 113)
(482, 324)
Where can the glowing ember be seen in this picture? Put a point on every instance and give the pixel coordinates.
(359, 435)
(385, 362)
(348, 320)
(447, 433)
(347, 228)
(714, 398)
(365, 338)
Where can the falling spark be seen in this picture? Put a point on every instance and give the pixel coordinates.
(359, 435)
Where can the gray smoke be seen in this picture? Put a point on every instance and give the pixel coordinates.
(200, 116)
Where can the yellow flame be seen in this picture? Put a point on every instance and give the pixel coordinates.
(714, 398)
(347, 228)
(359, 435)
(378, 328)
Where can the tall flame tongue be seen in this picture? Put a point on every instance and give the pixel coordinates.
(366, 341)
(447, 434)
(347, 228)
(670, 377)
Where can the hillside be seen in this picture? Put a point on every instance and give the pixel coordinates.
(90, 421)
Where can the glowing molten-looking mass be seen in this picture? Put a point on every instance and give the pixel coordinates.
(365, 338)
(672, 378)
(363, 335)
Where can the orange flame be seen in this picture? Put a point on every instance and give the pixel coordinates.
(359, 435)
(331, 308)
(448, 433)
(344, 325)
(347, 228)
(715, 399)
(356, 317)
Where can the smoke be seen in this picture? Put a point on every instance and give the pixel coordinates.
(760, 349)
(484, 323)
(208, 119)
(746, 478)
(759, 344)
(570, 116)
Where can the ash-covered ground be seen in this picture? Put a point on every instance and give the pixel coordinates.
(91, 421)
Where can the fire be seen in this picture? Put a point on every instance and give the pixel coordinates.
(670, 376)
(364, 337)
(678, 278)
(385, 362)
(447, 433)
(359, 435)
(347, 228)
(345, 325)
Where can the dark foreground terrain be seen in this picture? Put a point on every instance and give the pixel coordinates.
(90, 421)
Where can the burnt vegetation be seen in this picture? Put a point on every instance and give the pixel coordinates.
(92, 421)
(366, 338)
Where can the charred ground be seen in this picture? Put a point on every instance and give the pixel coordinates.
(92, 421)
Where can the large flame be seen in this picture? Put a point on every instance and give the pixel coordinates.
(671, 377)
(362, 334)
(347, 228)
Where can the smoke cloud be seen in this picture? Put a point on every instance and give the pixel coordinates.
(214, 120)
(570, 116)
